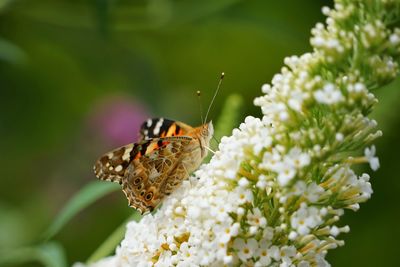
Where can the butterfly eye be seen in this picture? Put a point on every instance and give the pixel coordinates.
(204, 131)
(137, 181)
(149, 196)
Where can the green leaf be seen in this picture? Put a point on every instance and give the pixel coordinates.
(230, 116)
(229, 119)
(113, 240)
(49, 254)
(10, 52)
(386, 112)
(4, 4)
(86, 196)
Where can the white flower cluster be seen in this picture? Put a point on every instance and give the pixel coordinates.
(274, 192)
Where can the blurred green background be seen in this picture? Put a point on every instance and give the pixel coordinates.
(78, 77)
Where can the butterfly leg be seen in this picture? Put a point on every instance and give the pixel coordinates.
(209, 149)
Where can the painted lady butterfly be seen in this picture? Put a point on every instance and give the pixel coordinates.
(152, 168)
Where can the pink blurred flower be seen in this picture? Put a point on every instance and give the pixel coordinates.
(117, 120)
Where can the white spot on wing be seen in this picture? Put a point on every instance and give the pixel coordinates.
(149, 122)
(126, 156)
(118, 168)
(158, 126)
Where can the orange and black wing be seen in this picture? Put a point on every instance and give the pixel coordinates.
(161, 127)
(146, 170)
(112, 165)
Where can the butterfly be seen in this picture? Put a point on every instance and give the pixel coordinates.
(152, 168)
(155, 166)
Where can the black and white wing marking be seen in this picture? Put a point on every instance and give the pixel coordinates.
(112, 165)
(156, 127)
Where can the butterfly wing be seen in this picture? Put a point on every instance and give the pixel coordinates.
(147, 170)
(161, 127)
(112, 165)
(155, 174)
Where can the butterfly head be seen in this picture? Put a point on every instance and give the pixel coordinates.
(207, 131)
(205, 134)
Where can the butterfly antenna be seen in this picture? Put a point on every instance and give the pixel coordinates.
(215, 94)
(200, 105)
